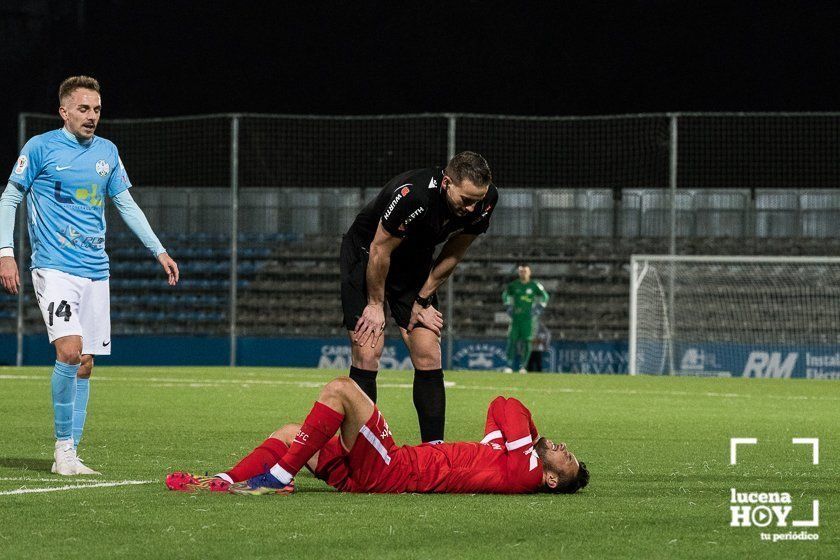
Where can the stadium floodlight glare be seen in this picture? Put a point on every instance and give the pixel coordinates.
(751, 316)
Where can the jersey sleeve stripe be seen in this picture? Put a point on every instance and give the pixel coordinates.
(19, 187)
(521, 442)
(491, 436)
(374, 441)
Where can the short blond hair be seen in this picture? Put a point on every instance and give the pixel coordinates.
(73, 83)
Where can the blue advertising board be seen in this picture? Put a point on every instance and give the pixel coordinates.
(598, 357)
(756, 360)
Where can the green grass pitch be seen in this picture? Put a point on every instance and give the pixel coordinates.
(657, 448)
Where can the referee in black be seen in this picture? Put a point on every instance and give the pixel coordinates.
(387, 256)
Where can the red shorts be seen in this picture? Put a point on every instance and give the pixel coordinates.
(374, 464)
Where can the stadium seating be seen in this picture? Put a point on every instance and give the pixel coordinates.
(578, 242)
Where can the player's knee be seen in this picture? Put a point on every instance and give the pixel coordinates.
(68, 354)
(86, 368)
(368, 363)
(286, 433)
(366, 358)
(426, 360)
(338, 388)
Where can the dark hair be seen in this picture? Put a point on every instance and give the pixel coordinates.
(73, 83)
(469, 165)
(572, 486)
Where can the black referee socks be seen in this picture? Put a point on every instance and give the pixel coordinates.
(366, 379)
(430, 402)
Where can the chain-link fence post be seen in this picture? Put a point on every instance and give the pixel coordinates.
(21, 220)
(450, 285)
(673, 154)
(234, 228)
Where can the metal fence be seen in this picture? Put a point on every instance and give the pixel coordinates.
(253, 206)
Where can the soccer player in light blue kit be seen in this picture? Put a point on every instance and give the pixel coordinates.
(66, 175)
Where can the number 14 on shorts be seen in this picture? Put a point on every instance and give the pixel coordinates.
(63, 310)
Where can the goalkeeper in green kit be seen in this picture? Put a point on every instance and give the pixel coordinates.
(525, 300)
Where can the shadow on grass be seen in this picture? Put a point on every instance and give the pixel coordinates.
(25, 463)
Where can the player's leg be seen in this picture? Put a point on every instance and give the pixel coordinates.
(95, 319)
(58, 296)
(82, 396)
(526, 333)
(365, 364)
(265, 455)
(511, 348)
(341, 405)
(429, 392)
(68, 356)
(535, 362)
(365, 360)
(258, 461)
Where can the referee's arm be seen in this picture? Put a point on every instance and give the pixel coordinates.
(450, 255)
(372, 322)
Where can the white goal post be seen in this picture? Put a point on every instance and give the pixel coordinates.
(735, 316)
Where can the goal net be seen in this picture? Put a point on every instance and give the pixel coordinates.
(744, 316)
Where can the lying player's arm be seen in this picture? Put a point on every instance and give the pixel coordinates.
(370, 325)
(9, 202)
(136, 221)
(510, 421)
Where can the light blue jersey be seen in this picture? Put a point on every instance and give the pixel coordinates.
(66, 183)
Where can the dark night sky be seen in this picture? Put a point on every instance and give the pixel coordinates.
(537, 58)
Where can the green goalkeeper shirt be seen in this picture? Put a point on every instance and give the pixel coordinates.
(522, 295)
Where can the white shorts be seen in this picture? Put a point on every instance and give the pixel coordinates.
(72, 305)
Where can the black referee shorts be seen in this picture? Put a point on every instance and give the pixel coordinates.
(404, 280)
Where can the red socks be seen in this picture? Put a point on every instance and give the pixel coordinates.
(259, 460)
(320, 425)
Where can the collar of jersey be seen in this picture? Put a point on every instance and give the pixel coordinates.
(72, 138)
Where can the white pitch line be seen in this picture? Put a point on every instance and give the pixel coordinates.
(26, 479)
(203, 383)
(75, 487)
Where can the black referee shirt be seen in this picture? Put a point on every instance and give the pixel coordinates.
(413, 206)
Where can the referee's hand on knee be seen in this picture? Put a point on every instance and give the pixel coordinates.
(370, 325)
(428, 317)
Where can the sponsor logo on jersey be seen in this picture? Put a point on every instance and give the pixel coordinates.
(92, 196)
(391, 206)
(411, 217)
(433, 183)
(22, 162)
(102, 167)
(405, 191)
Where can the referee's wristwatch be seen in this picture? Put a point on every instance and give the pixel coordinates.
(424, 302)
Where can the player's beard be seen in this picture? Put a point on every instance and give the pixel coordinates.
(541, 447)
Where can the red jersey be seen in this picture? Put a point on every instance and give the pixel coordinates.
(504, 462)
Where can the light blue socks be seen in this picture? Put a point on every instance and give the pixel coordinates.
(80, 408)
(63, 398)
